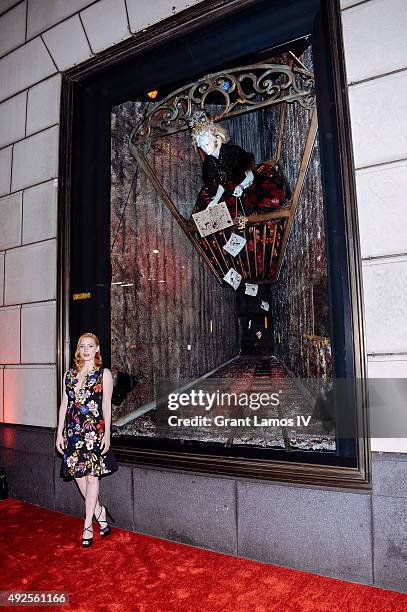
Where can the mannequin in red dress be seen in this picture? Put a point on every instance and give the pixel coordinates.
(229, 172)
(231, 175)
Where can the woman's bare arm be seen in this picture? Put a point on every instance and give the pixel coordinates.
(61, 417)
(107, 407)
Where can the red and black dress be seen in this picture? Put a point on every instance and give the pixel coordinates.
(268, 192)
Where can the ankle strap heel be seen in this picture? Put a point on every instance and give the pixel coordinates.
(105, 531)
(86, 542)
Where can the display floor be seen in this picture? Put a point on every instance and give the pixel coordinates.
(245, 376)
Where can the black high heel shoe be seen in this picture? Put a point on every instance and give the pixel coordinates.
(86, 542)
(105, 531)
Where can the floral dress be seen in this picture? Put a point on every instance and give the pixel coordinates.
(84, 428)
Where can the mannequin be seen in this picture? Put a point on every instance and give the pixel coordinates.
(230, 174)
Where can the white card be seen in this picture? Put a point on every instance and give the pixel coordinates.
(233, 278)
(251, 289)
(259, 334)
(235, 244)
(213, 219)
(250, 324)
(265, 305)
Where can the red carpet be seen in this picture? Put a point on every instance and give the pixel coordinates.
(40, 550)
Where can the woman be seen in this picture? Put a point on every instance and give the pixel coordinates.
(83, 434)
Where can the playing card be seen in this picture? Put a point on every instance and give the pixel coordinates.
(233, 278)
(265, 305)
(213, 219)
(235, 244)
(251, 289)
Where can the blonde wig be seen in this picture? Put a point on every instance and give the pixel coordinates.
(78, 360)
(205, 126)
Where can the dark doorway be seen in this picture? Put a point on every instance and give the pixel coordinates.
(256, 335)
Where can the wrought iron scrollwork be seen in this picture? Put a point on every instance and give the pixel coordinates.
(242, 89)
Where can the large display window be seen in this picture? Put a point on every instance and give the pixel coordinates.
(210, 241)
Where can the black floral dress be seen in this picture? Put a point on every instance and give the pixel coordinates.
(84, 428)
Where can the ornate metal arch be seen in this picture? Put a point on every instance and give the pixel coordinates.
(243, 89)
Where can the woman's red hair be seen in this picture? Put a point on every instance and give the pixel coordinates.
(78, 361)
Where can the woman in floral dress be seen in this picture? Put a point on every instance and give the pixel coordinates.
(83, 434)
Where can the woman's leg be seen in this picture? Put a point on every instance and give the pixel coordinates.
(81, 482)
(92, 494)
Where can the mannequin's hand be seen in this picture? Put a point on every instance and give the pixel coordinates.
(238, 191)
(247, 181)
(60, 443)
(216, 199)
